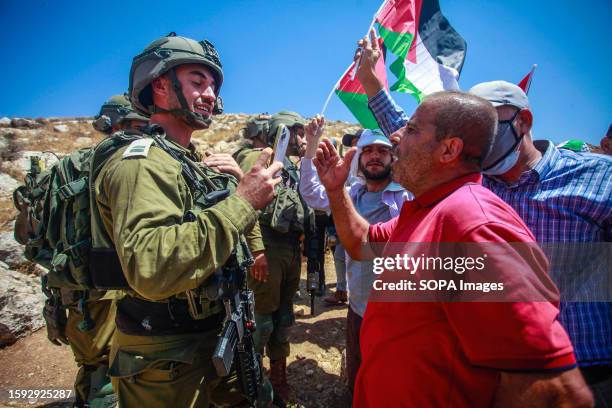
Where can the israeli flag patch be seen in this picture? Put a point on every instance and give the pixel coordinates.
(138, 148)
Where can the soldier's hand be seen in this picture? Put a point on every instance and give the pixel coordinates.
(369, 51)
(259, 270)
(331, 168)
(224, 163)
(313, 132)
(257, 185)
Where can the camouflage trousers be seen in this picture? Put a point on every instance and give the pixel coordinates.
(170, 371)
(274, 298)
(91, 348)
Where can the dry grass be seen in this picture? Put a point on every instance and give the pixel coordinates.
(8, 212)
(12, 171)
(212, 136)
(62, 143)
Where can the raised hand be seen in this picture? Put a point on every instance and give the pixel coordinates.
(257, 185)
(331, 168)
(369, 52)
(313, 132)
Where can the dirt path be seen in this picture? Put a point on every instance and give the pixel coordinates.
(314, 367)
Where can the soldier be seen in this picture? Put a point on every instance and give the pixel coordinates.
(117, 114)
(88, 330)
(91, 314)
(167, 238)
(282, 224)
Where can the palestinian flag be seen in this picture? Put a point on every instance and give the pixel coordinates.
(525, 83)
(430, 52)
(354, 96)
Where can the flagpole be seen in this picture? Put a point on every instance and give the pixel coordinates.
(533, 68)
(357, 67)
(333, 89)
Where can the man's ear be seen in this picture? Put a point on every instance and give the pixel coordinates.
(526, 121)
(161, 90)
(449, 149)
(160, 86)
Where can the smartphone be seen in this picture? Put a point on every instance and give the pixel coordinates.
(281, 142)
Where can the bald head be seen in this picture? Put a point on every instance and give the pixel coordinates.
(467, 117)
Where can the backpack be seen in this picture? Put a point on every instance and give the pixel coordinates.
(285, 213)
(55, 211)
(61, 227)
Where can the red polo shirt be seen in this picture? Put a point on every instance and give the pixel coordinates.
(449, 354)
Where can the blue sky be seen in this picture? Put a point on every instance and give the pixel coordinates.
(64, 58)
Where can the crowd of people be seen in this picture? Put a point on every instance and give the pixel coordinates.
(464, 167)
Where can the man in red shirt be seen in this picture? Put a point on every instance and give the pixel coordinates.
(451, 354)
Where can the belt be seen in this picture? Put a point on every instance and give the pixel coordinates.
(140, 317)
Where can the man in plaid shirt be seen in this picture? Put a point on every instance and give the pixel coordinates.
(564, 197)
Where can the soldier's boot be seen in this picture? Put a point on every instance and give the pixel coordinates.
(278, 378)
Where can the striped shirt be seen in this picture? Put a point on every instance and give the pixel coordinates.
(566, 198)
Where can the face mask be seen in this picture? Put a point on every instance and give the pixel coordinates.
(503, 166)
(504, 154)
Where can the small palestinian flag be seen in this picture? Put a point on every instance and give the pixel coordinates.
(525, 83)
(350, 91)
(430, 52)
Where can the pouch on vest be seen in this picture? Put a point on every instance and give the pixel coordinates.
(285, 213)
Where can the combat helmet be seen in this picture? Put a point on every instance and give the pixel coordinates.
(257, 125)
(111, 113)
(163, 56)
(287, 118)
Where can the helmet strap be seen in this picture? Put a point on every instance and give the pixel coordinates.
(195, 120)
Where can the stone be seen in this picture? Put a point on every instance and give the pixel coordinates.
(23, 163)
(5, 122)
(24, 123)
(21, 305)
(11, 252)
(61, 128)
(7, 185)
(83, 141)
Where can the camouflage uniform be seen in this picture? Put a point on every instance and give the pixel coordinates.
(91, 345)
(161, 355)
(274, 298)
(143, 200)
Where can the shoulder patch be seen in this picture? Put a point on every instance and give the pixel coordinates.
(138, 148)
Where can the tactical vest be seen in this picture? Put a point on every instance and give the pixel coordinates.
(195, 310)
(285, 213)
(59, 222)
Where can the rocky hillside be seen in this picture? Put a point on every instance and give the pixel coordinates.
(20, 138)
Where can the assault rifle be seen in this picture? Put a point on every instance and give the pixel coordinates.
(235, 344)
(314, 243)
